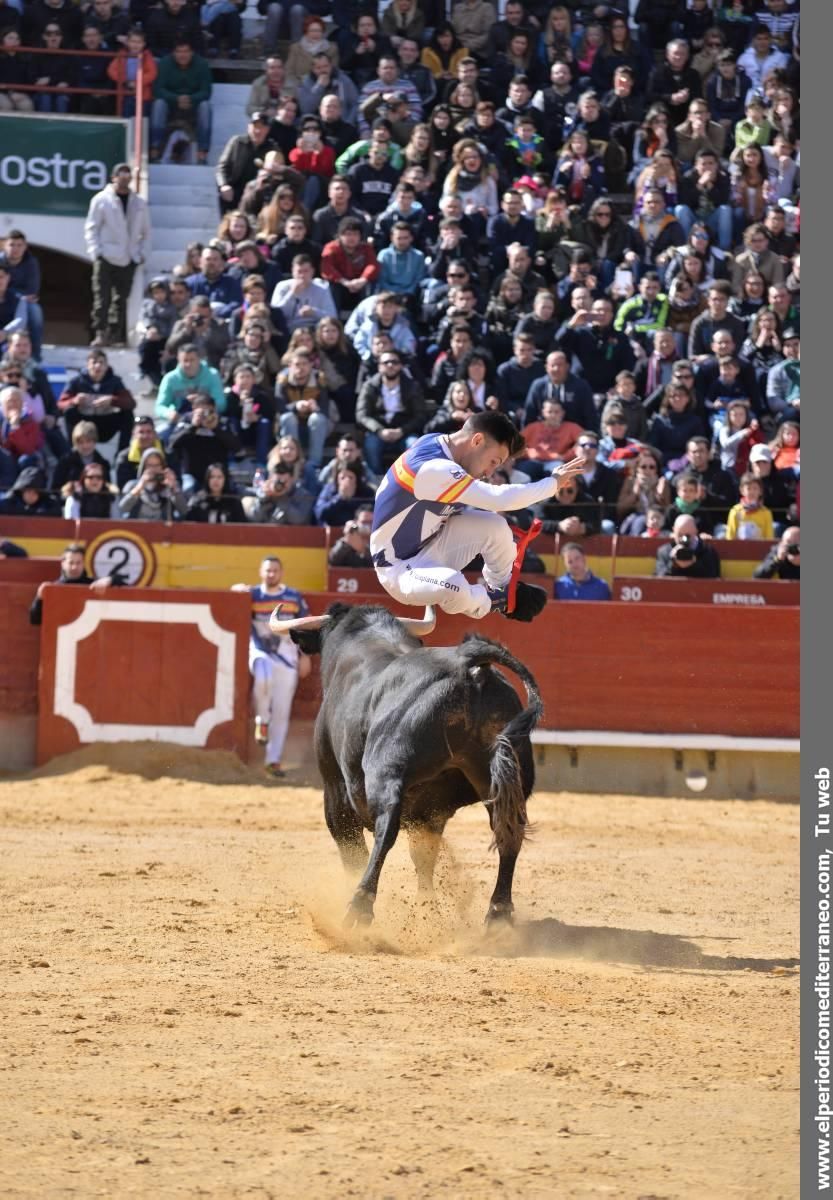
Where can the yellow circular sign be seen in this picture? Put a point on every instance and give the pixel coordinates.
(121, 553)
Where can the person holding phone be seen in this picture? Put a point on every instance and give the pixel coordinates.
(315, 159)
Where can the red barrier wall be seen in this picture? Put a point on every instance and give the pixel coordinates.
(642, 589)
(130, 664)
(643, 668)
(19, 655)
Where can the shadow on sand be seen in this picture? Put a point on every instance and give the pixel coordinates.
(550, 938)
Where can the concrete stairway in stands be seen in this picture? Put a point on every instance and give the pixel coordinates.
(183, 198)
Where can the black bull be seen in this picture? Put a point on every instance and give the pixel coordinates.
(407, 734)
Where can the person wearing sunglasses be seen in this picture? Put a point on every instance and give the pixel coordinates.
(90, 496)
(391, 412)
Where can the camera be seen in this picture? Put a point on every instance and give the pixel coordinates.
(683, 552)
(794, 551)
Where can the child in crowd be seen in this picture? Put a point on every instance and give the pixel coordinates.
(156, 322)
(624, 396)
(690, 501)
(750, 518)
(786, 447)
(726, 387)
(737, 437)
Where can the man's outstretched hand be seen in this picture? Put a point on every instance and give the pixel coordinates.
(567, 470)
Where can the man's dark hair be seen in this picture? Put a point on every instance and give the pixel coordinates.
(180, 41)
(74, 548)
(722, 286)
(497, 426)
(581, 256)
(17, 233)
(302, 260)
(188, 348)
(653, 276)
(401, 225)
(349, 225)
(574, 546)
(524, 79)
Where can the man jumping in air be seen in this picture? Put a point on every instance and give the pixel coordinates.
(429, 520)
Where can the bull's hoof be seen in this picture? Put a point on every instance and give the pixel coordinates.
(500, 914)
(359, 911)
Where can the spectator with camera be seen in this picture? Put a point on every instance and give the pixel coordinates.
(280, 500)
(687, 555)
(189, 375)
(353, 547)
(199, 327)
(155, 494)
(783, 561)
(200, 439)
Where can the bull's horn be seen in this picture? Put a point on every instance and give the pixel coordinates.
(420, 628)
(277, 625)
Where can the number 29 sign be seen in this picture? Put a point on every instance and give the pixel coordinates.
(122, 554)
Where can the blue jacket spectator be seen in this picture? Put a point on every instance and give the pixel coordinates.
(215, 282)
(578, 582)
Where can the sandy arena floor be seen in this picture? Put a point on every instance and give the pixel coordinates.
(183, 1016)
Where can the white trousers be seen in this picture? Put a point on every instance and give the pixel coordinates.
(435, 575)
(274, 687)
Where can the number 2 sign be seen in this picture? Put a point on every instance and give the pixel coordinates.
(121, 553)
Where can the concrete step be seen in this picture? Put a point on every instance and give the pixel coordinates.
(162, 262)
(174, 241)
(172, 195)
(178, 174)
(229, 114)
(169, 216)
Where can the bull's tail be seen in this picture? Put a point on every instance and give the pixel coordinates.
(507, 795)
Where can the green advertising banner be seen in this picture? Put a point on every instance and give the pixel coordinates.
(53, 166)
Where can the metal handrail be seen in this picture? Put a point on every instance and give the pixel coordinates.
(118, 90)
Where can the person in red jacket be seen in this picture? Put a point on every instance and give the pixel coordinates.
(349, 264)
(316, 161)
(124, 69)
(549, 442)
(20, 433)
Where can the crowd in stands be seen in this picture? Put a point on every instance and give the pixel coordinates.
(584, 216)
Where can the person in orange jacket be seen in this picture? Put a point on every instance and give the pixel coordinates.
(124, 70)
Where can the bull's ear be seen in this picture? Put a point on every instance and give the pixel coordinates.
(308, 640)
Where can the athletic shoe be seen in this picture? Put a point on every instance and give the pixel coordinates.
(261, 731)
(275, 770)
